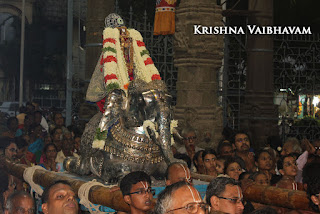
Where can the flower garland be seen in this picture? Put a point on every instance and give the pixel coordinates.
(113, 61)
(116, 70)
(114, 64)
(144, 64)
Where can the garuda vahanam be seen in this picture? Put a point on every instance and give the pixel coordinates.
(133, 129)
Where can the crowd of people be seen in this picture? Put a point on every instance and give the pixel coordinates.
(33, 139)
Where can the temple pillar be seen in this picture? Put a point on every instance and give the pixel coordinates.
(198, 59)
(259, 113)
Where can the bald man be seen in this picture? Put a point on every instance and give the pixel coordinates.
(20, 202)
(176, 172)
(180, 197)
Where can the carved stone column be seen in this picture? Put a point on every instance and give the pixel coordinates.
(259, 112)
(198, 58)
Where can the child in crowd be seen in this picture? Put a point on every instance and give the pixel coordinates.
(232, 168)
(137, 192)
(220, 165)
(244, 176)
(264, 162)
(198, 162)
(260, 178)
(287, 166)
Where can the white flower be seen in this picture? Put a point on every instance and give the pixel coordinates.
(98, 144)
(173, 125)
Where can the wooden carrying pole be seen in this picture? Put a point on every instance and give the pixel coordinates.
(98, 195)
(104, 196)
(292, 199)
(269, 195)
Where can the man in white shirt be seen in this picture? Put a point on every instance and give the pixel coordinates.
(190, 141)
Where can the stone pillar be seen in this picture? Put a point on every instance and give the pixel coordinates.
(198, 59)
(259, 112)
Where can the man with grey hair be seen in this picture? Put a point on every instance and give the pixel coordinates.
(180, 197)
(190, 142)
(291, 145)
(225, 195)
(20, 202)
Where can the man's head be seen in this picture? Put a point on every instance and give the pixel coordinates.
(28, 120)
(177, 172)
(57, 134)
(10, 148)
(58, 119)
(19, 202)
(291, 145)
(225, 195)
(35, 130)
(59, 198)
(189, 138)
(30, 107)
(225, 149)
(68, 143)
(241, 142)
(36, 105)
(137, 192)
(12, 124)
(179, 198)
(287, 166)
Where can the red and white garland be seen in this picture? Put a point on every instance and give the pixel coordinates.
(114, 65)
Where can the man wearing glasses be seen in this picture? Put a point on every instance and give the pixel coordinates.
(10, 150)
(137, 192)
(190, 142)
(180, 197)
(225, 195)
